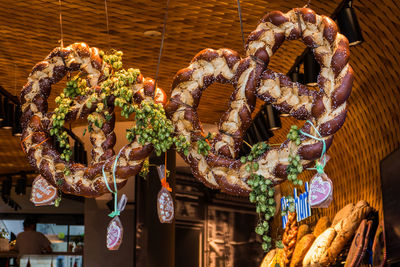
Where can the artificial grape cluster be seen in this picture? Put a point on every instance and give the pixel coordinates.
(203, 147)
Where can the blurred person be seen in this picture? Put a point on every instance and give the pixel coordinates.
(30, 242)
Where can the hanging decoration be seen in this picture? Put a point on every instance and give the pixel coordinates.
(42, 192)
(100, 85)
(165, 203)
(326, 109)
(115, 231)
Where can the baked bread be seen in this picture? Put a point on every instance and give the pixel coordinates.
(304, 229)
(268, 259)
(319, 248)
(343, 213)
(345, 230)
(322, 224)
(301, 249)
(290, 236)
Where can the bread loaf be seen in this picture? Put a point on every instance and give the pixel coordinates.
(301, 249)
(303, 230)
(319, 248)
(343, 213)
(290, 236)
(268, 259)
(322, 224)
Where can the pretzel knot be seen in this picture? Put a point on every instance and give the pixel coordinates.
(326, 108)
(37, 122)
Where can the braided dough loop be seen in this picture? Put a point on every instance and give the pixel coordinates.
(326, 108)
(85, 181)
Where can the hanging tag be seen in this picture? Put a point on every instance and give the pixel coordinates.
(115, 230)
(43, 193)
(321, 190)
(165, 204)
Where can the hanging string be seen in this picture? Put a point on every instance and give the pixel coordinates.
(161, 45)
(116, 211)
(108, 29)
(320, 165)
(254, 58)
(61, 26)
(241, 24)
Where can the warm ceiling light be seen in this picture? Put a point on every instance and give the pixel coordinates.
(272, 117)
(348, 24)
(311, 69)
(152, 33)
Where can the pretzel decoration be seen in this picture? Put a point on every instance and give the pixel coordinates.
(326, 108)
(36, 123)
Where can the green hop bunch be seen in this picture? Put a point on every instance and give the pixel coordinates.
(203, 147)
(294, 135)
(145, 168)
(152, 127)
(262, 195)
(256, 151)
(290, 207)
(294, 169)
(182, 144)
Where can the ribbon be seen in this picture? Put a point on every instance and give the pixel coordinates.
(26, 138)
(162, 173)
(117, 209)
(165, 184)
(320, 164)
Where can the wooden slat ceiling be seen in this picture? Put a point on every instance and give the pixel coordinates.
(30, 29)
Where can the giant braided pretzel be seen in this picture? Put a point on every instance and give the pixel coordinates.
(326, 108)
(36, 123)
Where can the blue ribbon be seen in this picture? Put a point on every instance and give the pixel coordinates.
(116, 211)
(320, 164)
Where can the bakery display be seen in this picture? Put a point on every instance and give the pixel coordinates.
(331, 242)
(345, 230)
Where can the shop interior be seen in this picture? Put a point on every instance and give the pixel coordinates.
(210, 226)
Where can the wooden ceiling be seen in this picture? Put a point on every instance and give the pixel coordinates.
(29, 30)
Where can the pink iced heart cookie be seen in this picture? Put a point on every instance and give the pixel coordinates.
(320, 189)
